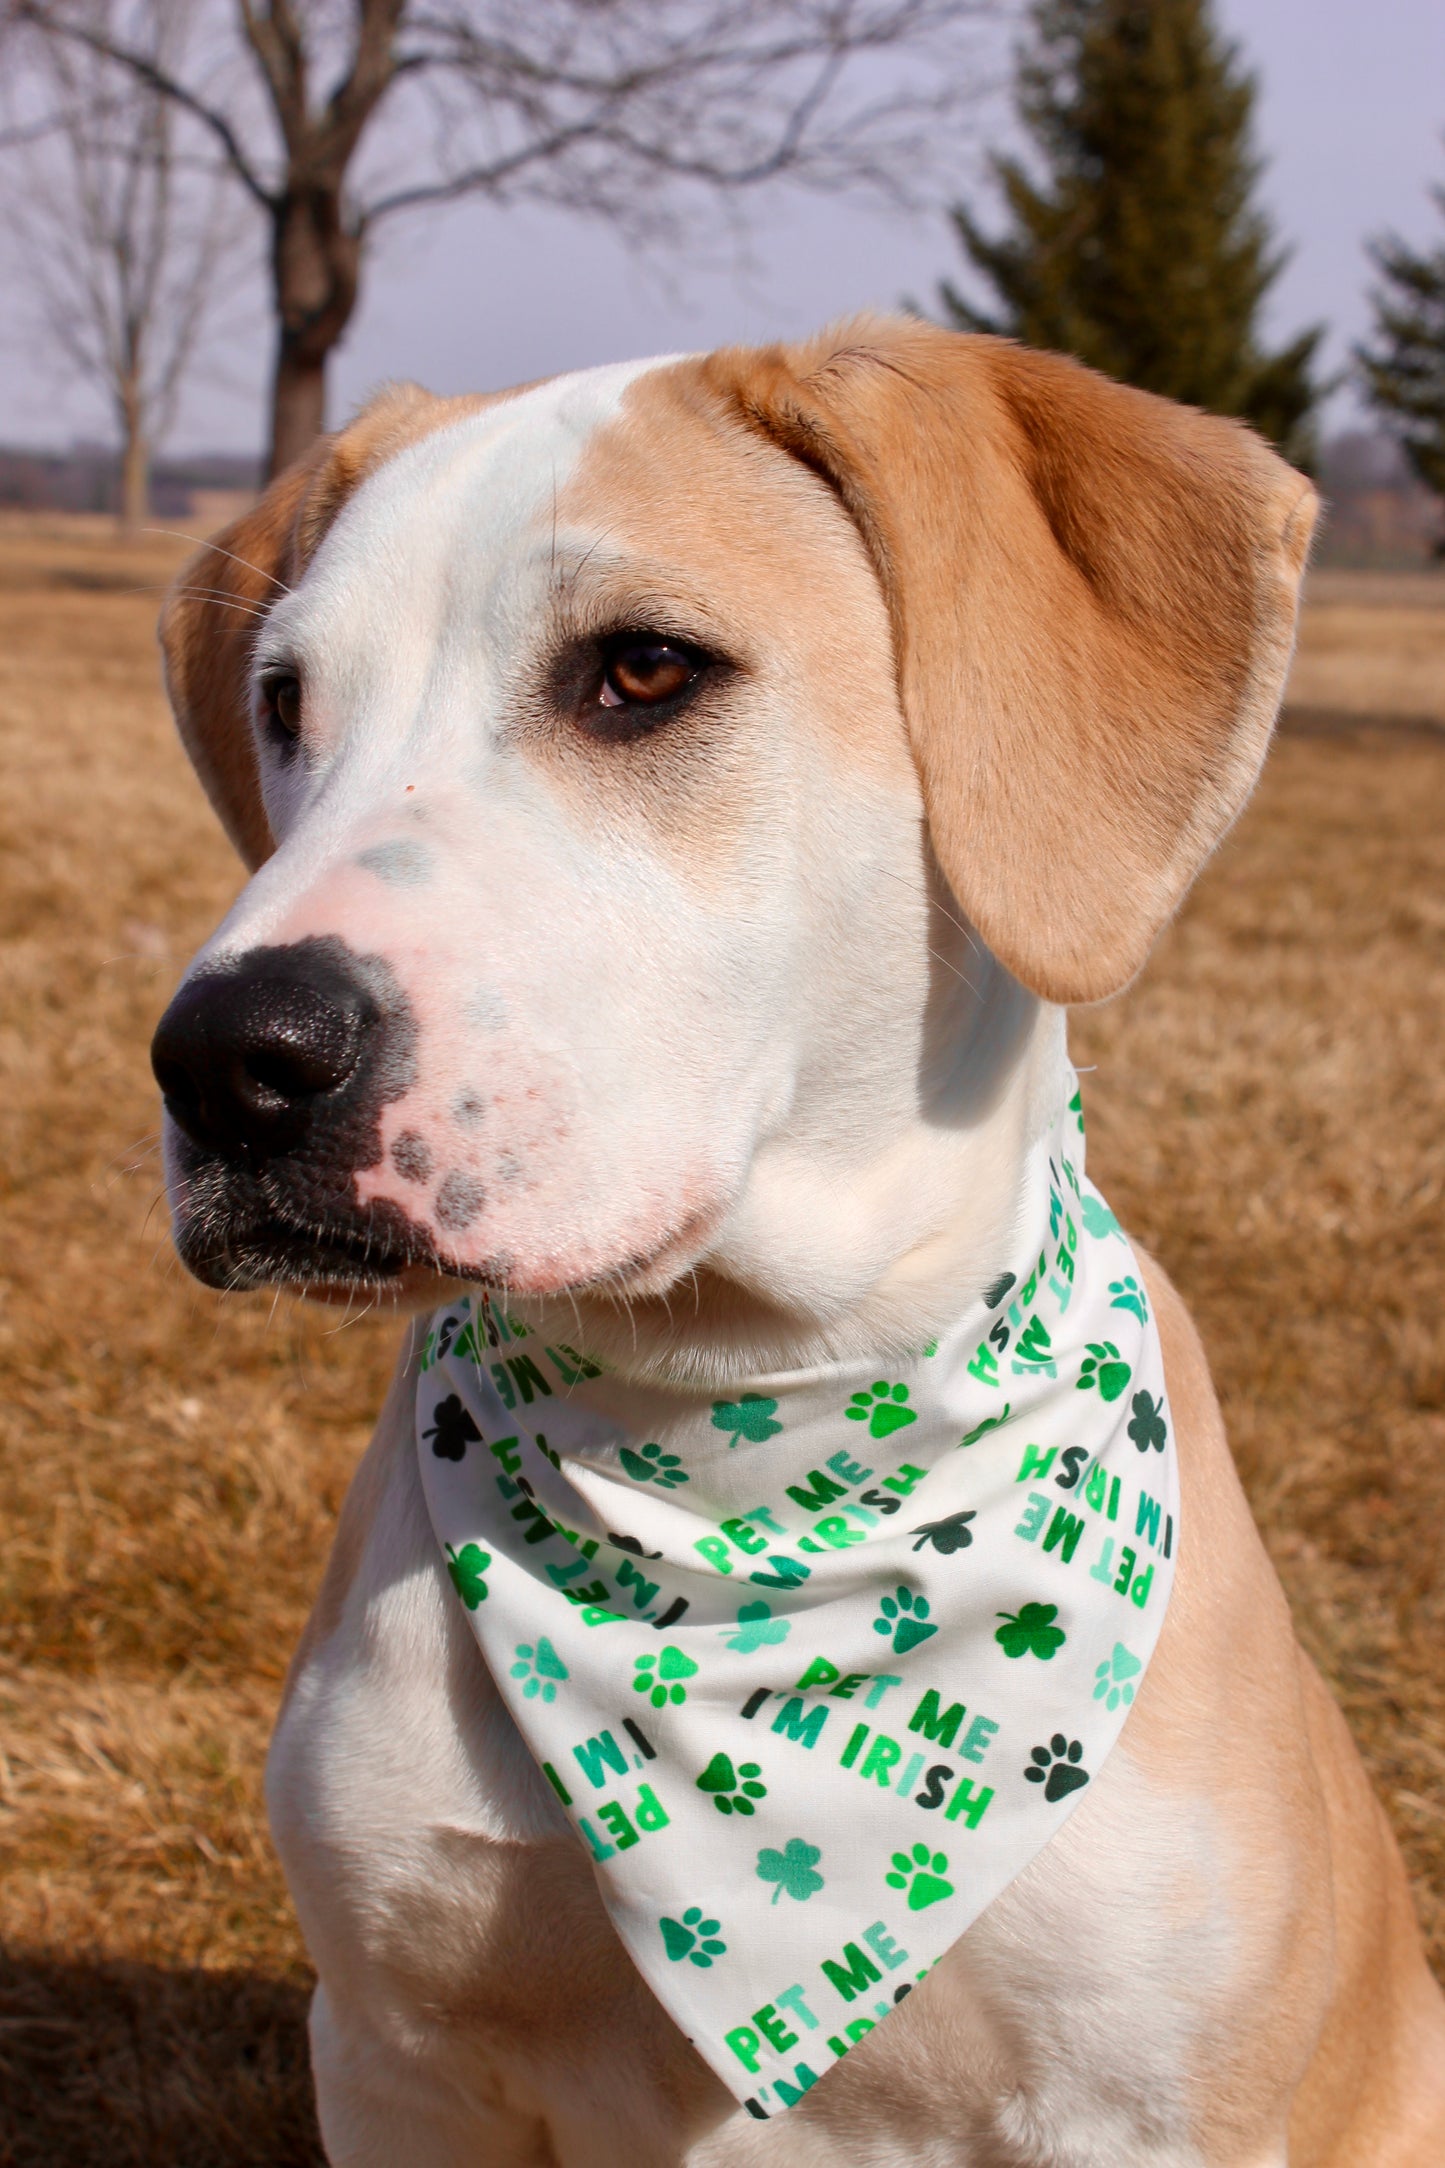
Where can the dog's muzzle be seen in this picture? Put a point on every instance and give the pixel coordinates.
(275, 1066)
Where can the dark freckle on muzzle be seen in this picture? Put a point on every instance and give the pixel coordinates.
(411, 1156)
(458, 1201)
(404, 863)
(469, 1109)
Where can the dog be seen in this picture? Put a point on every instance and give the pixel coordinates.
(681, 801)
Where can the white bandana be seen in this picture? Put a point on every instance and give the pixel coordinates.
(879, 1625)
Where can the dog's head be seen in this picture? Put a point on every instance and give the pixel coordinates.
(668, 785)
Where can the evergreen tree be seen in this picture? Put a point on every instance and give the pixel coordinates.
(1405, 369)
(1135, 243)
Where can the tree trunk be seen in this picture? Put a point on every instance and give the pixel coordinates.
(298, 405)
(315, 270)
(135, 475)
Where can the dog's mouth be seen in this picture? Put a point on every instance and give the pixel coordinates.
(376, 1249)
(378, 1252)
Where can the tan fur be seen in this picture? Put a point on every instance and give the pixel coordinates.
(1092, 593)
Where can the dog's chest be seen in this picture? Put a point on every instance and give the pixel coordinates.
(455, 1920)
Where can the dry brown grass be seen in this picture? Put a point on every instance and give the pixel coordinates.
(1268, 1112)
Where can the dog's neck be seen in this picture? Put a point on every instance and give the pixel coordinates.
(852, 1241)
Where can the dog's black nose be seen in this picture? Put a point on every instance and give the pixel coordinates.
(250, 1058)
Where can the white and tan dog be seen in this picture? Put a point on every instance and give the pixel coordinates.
(681, 800)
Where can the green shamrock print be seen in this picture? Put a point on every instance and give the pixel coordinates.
(541, 1667)
(904, 1618)
(1076, 1108)
(1129, 1295)
(990, 1422)
(466, 1568)
(1098, 1219)
(692, 1937)
(792, 1869)
(1114, 1678)
(1148, 1426)
(1104, 1367)
(1030, 1631)
(921, 1873)
(1057, 1767)
(733, 1790)
(751, 1417)
(660, 1677)
(884, 1409)
(652, 1465)
(757, 1629)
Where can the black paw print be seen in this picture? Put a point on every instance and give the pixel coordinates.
(948, 1535)
(1057, 1767)
(452, 1429)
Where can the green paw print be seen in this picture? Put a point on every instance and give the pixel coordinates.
(904, 1618)
(1129, 1295)
(1104, 1367)
(792, 1869)
(652, 1465)
(1148, 1426)
(1030, 1631)
(757, 1629)
(733, 1790)
(1114, 1678)
(750, 1417)
(541, 1667)
(660, 1676)
(692, 1937)
(922, 1873)
(466, 1568)
(884, 1409)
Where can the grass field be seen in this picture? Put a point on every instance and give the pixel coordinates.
(1267, 1110)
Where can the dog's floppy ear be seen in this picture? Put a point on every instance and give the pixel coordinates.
(216, 605)
(1093, 598)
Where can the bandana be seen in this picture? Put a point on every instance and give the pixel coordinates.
(818, 1662)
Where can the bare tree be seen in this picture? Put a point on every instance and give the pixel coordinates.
(633, 111)
(122, 235)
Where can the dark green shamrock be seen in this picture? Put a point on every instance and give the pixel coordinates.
(1148, 1426)
(751, 1417)
(1030, 1631)
(948, 1535)
(792, 1869)
(466, 1568)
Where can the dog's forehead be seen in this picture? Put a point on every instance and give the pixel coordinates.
(490, 482)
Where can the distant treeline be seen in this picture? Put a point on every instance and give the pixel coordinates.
(87, 479)
(1378, 514)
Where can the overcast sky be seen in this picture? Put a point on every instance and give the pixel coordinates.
(1350, 117)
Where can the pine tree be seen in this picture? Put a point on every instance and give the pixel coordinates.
(1405, 369)
(1138, 246)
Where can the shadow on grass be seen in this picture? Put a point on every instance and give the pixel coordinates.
(111, 2064)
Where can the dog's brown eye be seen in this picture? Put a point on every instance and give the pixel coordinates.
(281, 705)
(642, 673)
